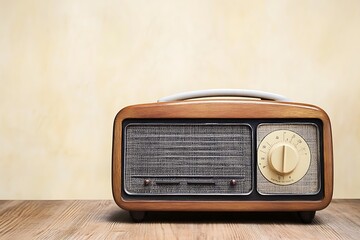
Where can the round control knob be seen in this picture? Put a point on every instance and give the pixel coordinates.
(283, 158)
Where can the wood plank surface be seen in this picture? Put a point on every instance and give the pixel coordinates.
(103, 219)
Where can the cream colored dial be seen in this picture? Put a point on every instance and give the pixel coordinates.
(283, 157)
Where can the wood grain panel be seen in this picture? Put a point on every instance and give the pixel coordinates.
(104, 220)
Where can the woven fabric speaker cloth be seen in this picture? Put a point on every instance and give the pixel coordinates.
(199, 158)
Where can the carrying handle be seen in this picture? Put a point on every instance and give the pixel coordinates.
(225, 93)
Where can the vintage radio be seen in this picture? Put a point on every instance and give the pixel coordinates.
(264, 154)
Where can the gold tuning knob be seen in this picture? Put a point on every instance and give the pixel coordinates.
(283, 158)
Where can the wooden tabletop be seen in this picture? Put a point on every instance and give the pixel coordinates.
(103, 219)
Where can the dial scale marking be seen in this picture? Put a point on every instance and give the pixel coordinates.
(283, 157)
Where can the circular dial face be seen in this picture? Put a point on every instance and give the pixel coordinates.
(283, 157)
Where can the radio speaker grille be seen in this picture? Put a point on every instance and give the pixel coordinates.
(188, 159)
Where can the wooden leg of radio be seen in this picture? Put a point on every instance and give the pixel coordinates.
(307, 217)
(137, 216)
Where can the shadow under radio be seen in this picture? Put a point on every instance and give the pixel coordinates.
(213, 217)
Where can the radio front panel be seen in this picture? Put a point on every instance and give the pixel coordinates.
(222, 158)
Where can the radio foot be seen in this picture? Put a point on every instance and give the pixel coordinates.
(307, 217)
(137, 216)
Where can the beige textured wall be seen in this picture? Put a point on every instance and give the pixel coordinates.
(67, 67)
